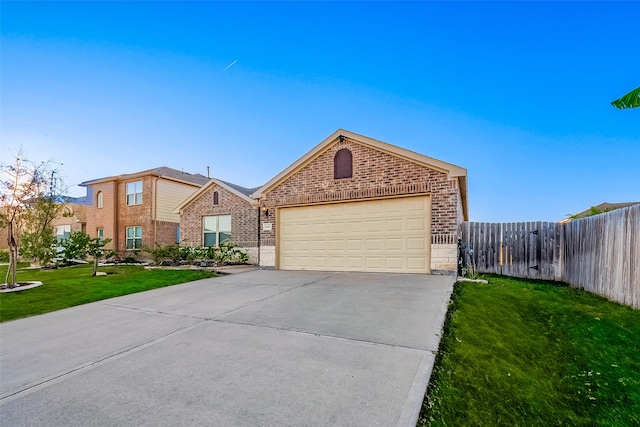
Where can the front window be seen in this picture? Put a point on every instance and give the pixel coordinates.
(216, 229)
(101, 233)
(99, 200)
(134, 193)
(134, 238)
(63, 232)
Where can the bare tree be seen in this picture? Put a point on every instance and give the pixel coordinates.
(29, 194)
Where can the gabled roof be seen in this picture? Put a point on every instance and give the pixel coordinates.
(242, 192)
(601, 208)
(451, 170)
(162, 171)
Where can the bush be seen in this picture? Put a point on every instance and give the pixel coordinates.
(225, 253)
(38, 246)
(165, 253)
(76, 246)
(4, 256)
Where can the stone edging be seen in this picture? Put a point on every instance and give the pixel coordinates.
(22, 286)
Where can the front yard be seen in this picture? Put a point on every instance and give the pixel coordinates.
(70, 286)
(518, 352)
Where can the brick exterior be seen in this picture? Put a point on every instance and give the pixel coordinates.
(72, 214)
(375, 174)
(115, 215)
(244, 218)
(104, 217)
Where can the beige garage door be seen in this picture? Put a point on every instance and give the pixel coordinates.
(390, 235)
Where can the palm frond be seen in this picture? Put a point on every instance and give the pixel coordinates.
(630, 100)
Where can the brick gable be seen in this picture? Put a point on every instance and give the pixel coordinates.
(375, 174)
(244, 217)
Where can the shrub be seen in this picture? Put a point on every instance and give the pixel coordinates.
(4, 256)
(165, 253)
(38, 246)
(225, 253)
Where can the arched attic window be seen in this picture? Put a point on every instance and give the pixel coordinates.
(215, 197)
(343, 164)
(99, 199)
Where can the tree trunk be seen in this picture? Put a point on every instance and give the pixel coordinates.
(13, 256)
(95, 266)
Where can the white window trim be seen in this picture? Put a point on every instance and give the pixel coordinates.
(218, 231)
(133, 239)
(136, 195)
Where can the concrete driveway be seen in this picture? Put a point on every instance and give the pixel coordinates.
(266, 348)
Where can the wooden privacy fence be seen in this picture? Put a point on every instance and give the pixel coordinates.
(600, 253)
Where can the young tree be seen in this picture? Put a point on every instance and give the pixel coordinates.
(28, 196)
(76, 246)
(95, 248)
(79, 245)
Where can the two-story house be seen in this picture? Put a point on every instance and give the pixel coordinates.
(136, 210)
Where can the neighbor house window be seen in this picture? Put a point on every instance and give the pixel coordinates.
(134, 193)
(215, 197)
(216, 229)
(63, 232)
(342, 164)
(99, 199)
(101, 233)
(134, 238)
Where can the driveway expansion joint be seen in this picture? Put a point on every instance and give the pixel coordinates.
(52, 379)
(162, 313)
(326, 335)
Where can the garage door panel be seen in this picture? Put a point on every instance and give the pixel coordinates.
(373, 226)
(394, 244)
(355, 263)
(417, 244)
(354, 245)
(382, 235)
(394, 263)
(374, 244)
(394, 225)
(416, 263)
(416, 224)
(336, 227)
(356, 227)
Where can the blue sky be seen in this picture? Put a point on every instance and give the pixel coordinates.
(518, 93)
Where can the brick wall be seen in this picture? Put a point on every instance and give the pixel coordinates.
(135, 215)
(105, 217)
(375, 174)
(166, 232)
(244, 218)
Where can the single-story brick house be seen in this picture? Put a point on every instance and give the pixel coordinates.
(220, 211)
(351, 203)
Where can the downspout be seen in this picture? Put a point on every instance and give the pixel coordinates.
(154, 200)
(116, 216)
(259, 213)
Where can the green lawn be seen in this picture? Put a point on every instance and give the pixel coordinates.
(70, 286)
(526, 353)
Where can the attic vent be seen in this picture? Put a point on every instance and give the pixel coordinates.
(215, 197)
(343, 164)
